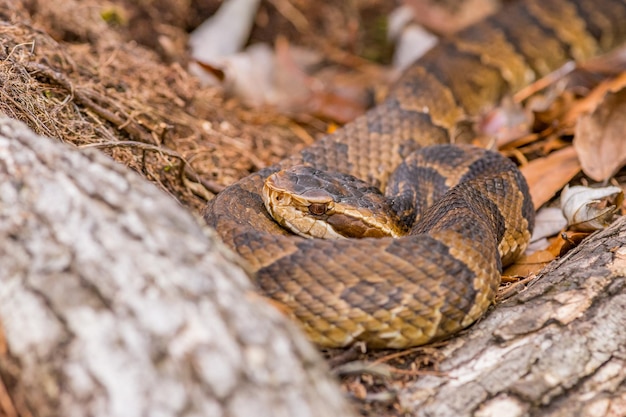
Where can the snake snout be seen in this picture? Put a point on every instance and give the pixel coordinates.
(329, 205)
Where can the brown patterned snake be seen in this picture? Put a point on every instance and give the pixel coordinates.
(407, 291)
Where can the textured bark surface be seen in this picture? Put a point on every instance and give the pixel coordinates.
(556, 349)
(115, 302)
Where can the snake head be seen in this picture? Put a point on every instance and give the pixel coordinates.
(329, 205)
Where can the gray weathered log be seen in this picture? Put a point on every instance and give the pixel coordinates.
(556, 349)
(115, 301)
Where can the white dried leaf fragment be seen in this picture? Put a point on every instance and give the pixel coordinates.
(588, 209)
(548, 222)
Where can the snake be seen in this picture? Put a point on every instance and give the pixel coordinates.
(474, 213)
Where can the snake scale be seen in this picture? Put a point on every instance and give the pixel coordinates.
(396, 293)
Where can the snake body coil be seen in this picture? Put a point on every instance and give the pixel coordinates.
(411, 290)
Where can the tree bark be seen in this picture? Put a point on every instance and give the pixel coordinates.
(115, 301)
(558, 348)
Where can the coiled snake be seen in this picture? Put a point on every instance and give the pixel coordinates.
(407, 291)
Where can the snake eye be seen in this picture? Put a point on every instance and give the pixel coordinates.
(317, 209)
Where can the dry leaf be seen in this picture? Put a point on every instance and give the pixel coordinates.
(330, 94)
(547, 176)
(551, 108)
(599, 138)
(548, 222)
(263, 77)
(529, 264)
(537, 245)
(222, 35)
(568, 241)
(411, 40)
(593, 98)
(249, 75)
(589, 209)
(533, 263)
